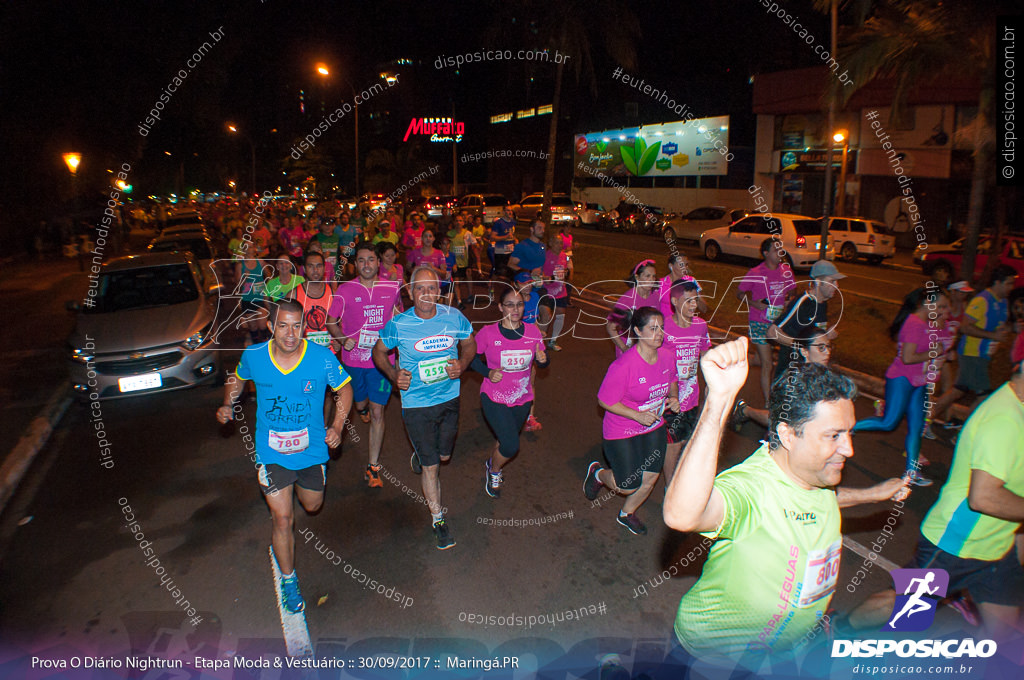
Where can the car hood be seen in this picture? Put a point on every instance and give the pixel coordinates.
(140, 329)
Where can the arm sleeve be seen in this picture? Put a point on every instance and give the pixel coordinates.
(740, 513)
(479, 364)
(337, 377)
(389, 334)
(999, 434)
(613, 387)
(244, 371)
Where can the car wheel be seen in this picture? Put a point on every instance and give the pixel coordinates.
(942, 273)
(712, 251)
(876, 259)
(668, 234)
(848, 252)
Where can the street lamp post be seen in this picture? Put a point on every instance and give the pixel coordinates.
(324, 72)
(843, 137)
(72, 159)
(252, 146)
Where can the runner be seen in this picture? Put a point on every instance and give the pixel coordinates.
(906, 379)
(462, 244)
(686, 339)
(503, 241)
(251, 288)
(330, 247)
(506, 352)
(348, 233)
(290, 374)
(362, 306)
(756, 512)
(389, 271)
(293, 238)
(428, 256)
(447, 287)
(637, 389)
(282, 286)
(315, 297)
(527, 258)
(435, 345)
(642, 283)
(476, 252)
(412, 236)
(764, 288)
(556, 299)
(678, 269)
(810, 309)
(384, 233)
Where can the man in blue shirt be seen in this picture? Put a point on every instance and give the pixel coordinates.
(435, 345)
(503, 240)
(291, 440)
(528, 257)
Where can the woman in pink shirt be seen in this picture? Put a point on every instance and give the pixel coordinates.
(636, 391)
(428, 256)
(643, 286)
(907, 378)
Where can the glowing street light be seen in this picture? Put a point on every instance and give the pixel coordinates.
(72, 160)
(842, 137)
(322, 69)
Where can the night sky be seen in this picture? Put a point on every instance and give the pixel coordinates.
(82, 76)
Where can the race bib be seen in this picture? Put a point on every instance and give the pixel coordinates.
(685, 370)
(319, 337)
(289, 442)
(503, 248)
(367, 339)
(657, 406)
(459, 250)
(821, 574)
(516, 359)
(559, 274)
(433, 370)
(773, 312)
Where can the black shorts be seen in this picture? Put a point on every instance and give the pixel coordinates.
(631, 457)
(432, 430)
(680, 425)
(460, 272)
(553, 302)
(999, 582)
(273, 478)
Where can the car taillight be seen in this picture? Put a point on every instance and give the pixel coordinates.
(801, 242)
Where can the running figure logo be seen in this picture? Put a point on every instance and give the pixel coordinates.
(914, 610)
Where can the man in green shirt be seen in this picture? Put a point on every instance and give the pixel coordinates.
(775, 520)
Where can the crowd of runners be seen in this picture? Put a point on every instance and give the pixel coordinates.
(345, 319)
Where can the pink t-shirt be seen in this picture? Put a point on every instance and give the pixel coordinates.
(363, 312)
(915, 332)
(768, 284)
(513, 358)
(638, 385)
(632, 300)
(685, 347)
(554, 271)
(412, 237)
(397, 275)
(416, 257)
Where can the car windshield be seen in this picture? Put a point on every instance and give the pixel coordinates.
(198, 246)
(562, 202)
(147, 287)
(808, 227)
(491, 201)
(173, 221)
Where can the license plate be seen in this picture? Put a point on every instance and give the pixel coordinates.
(140, 382)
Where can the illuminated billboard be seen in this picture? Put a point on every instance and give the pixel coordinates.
(695, 147)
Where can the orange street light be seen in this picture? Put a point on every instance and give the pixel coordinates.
(72, 160)
(322, 69)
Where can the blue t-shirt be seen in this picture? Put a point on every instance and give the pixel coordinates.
(424, 347)
(346, 239)
(530, 307)
(500, 229)
(290, 426)
(531, 256)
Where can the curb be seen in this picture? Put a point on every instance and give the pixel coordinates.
(17, 462)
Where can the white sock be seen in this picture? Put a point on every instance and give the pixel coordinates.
(438, 517)
(556, 330)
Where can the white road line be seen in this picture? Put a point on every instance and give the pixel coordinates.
(856, 547)
(293, 626)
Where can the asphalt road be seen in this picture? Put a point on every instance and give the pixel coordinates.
(74, 580)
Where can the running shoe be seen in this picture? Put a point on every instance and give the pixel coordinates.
(591, 485)
(554, 347)
(917, 479)
(290, 594)
(927, 432)
(952, 424)
(879, 408)
(963, 604)
(921, 460)
(372, 476)
(414, 463)
(443, 535)
(532, 424)
(364, 415)
(632, 522)
(739, 415)
(492, 481)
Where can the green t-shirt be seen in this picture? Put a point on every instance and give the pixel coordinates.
(278, 291)
(461, 242)
(772, 570)
(992, 441)
(392, 237)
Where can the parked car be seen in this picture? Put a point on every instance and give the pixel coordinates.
(690, 226)
(434, 205)
(801, 238)
(182, 217)
(490, 206)
(147, 329)
(563, 210)
(856, 237)
(640, 218)
(592, 214)
(942, 263)
(204, 251)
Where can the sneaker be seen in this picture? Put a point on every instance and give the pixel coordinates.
(879, 408)
(921, 460)
(532, 424)
(443, 535)
(963, 604)
(739, 415)
(927, 432)
(364, 415)
(917, 479)
(290, 594)
(372, 476)
(952, 424)
(552, 346)
(414, 463)
(591, 484)
(632, 522)
(492, 481)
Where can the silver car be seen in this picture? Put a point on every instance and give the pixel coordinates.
(142, 328)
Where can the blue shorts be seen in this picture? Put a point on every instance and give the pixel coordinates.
(369, 383)
(759, 332)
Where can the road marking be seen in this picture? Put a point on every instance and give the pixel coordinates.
(856, 547)
(293, 626)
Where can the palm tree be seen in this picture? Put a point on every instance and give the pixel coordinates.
(571, 27)
(913, 42)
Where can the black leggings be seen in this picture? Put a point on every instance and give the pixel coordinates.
(506, 422)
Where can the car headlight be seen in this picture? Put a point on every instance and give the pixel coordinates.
(82, 355)
(194, 341)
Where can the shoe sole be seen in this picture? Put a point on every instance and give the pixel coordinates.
(414, 463)
(446, 547)
(630, 529)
